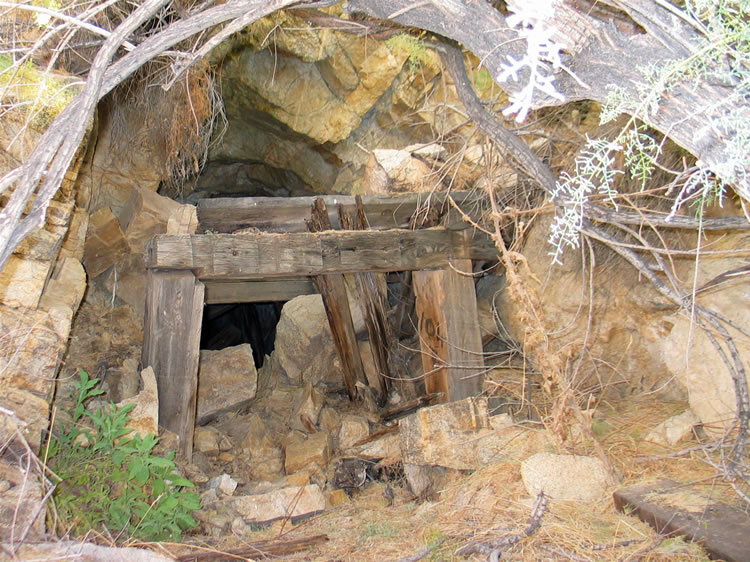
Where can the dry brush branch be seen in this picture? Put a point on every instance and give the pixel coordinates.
(55, 151)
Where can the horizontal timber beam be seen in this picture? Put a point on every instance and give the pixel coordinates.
(229, 292)
(288, 214)
(268, 256)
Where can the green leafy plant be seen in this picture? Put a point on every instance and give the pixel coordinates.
(111, 482)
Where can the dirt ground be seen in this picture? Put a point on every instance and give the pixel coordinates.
(492, 502)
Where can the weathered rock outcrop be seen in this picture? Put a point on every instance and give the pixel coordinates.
(637, 341)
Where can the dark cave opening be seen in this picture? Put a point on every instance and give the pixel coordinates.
(227, 325)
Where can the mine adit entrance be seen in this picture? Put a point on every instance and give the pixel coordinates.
(251, 250)
(227, 325)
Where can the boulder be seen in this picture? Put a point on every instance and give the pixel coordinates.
(227, 380)
(294, 502)
(206, 440)
(224, 484)
(353, 429)
(425, 481)
(565, 477)
(304, 351)
(266, 458)
(306, 410)
(147, 213)
(66, 287)
(329, 420)
(445, 435)
(386, 448)
(303, 452)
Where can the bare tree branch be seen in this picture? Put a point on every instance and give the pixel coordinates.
(55, 151)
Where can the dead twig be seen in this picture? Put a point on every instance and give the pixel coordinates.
(495, 546)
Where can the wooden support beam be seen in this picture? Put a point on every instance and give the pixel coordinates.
(286, 214)
(332, 288)
(373, 300)
(171, 345)
(449, 333)
(220, 292)
(268, 256)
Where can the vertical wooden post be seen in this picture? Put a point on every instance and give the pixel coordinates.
(449, 331)
(373, 300)
(333, 290)
(171, 345)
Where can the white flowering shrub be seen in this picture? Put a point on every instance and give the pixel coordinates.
(722, 54)
(542, 56)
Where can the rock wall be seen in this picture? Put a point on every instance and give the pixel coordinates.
(631, 340)
(317, 105)
(41, 288)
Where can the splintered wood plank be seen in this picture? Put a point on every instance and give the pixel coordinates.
(287, 214)
(171, 344)
(226, 292)
(267, 256)
(449, 334)
(373, 301)
(332, 288)
(723, 531)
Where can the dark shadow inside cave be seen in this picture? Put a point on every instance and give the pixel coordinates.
(227, 325)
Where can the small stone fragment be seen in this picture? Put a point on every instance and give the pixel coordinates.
(671, 430)
(206, 440)
(224, 484)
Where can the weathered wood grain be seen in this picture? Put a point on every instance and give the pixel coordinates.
(373, 301)
(219, 292)
(288, 214)
(268, 256)
(171, 345)
(449, 333)
(722, 529)
(332, 288)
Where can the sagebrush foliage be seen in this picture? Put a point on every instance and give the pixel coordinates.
(720, 54)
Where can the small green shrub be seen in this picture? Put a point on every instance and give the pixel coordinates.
(111, 482)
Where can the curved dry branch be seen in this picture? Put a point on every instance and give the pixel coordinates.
(710, 322)
(55, 151)
(598, 54)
